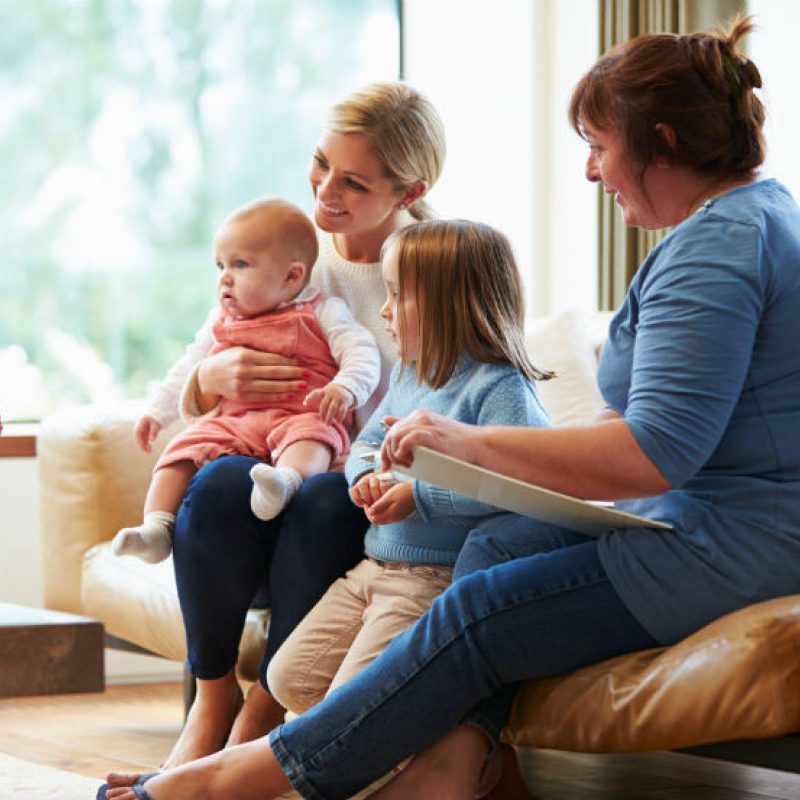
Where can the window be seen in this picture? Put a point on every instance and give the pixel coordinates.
(130, 128)
(502, 84)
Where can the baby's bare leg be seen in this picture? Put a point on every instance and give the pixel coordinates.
(274, 487)
(169, 486)
(152, 540)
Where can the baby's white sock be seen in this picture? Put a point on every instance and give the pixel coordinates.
(273, 488)
(151, 541)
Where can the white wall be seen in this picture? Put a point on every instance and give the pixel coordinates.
(20, 533)
(501, 74)
(773, 48)
(21, 575)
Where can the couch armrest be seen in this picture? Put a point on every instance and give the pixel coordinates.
(93, 481)
(736, 678)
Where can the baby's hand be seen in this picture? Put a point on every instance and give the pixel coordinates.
(396, 503)
(146, 431)
(369, 488)
(334, 401)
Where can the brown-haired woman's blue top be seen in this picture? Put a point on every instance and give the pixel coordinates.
(703, 362)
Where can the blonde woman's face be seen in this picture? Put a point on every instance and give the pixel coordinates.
(407, 340)
(351, 192)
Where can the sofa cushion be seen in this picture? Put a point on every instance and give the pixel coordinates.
(566, 344)
(737, 678)
(138, 602)
(94, 479)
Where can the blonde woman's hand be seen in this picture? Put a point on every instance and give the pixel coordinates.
(332, 401)
(145, 432)
(240, 373)
(394, 505)
(424, 429)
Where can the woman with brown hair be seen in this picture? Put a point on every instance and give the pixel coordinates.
(701, 377)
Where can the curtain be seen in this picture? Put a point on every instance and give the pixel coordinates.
(622, 249)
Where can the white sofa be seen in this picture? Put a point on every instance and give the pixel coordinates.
(739, 678)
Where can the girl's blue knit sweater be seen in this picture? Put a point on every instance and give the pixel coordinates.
(481, 394)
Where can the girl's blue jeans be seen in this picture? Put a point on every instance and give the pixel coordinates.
(531, 600)
(226, 560)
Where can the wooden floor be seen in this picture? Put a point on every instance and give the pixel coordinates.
(133, 727)
(125, 727)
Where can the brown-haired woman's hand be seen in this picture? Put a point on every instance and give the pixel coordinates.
(240, 373)
(424, 429)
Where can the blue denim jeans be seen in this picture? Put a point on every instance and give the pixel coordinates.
(546, 608)
(225, 557)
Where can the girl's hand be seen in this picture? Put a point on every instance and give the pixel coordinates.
(368, 489)
(145, 432)
(426, 429)
(240, 373)
(395, 505)
(333, 401)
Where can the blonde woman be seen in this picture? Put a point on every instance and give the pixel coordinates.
(381, 151)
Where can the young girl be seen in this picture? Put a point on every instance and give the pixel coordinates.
(454, 311)
(264, 253)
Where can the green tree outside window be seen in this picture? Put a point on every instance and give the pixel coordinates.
(129, 129)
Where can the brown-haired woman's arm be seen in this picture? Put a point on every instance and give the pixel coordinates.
(600, 461)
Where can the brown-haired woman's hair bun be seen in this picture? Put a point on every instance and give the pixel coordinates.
(741, 76)
(697, 84)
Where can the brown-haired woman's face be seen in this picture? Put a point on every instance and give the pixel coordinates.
(406, 334)
(351, 191)
(609, 164)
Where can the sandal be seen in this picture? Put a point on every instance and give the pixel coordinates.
(137, 787)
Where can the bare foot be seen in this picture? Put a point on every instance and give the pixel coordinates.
(122, 778)
(511, 785)
(246, 772)
(447, 770)
(260, 713)
(209, 722)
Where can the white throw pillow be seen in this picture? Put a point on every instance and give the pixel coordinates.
(566, 344)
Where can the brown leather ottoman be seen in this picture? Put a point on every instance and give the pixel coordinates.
(49, 652)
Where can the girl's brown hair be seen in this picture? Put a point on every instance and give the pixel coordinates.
(403, 129)
(469, 297)
(698, 84)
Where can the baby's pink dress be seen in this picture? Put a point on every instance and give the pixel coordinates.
(265, 429)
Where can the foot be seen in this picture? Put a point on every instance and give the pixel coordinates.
(247, 772)
(260, 713)
(511, 785)
(273, 488)
(151, 541)
(114, 779)
(447, 770)
(209, 722)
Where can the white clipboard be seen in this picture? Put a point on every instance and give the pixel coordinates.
(515, 495)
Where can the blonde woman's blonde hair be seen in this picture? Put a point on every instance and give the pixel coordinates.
(469, 297)
(404, 131)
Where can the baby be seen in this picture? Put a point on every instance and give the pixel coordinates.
(264, 253)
